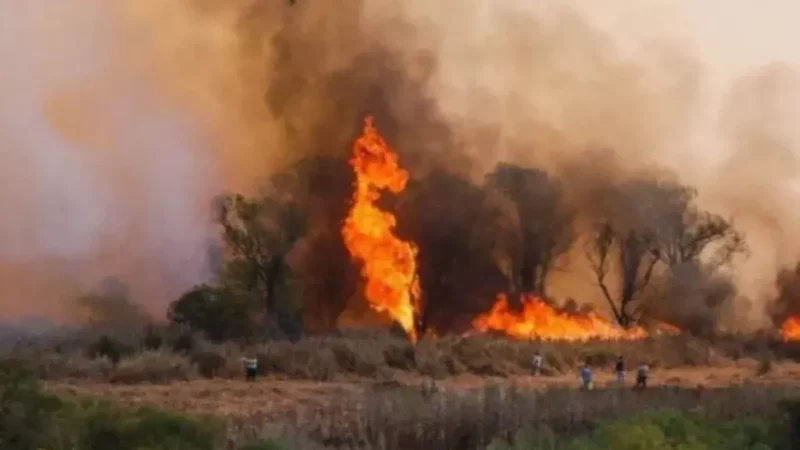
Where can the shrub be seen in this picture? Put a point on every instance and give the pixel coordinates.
(152, 339)
(107, 347)
(26, 414)
(659, 430)
(108, 427)
(154, 367)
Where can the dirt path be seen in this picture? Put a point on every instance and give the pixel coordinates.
(272, 398)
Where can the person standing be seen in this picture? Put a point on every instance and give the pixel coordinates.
(537, 364)
(250, 368)
(620, 370)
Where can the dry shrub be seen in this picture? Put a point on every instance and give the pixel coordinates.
(435, 358)
(154, 367)
(69, 366)
(218, 360)
(407, 418)
(307, 359)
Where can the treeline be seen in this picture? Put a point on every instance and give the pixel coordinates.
(282, 268)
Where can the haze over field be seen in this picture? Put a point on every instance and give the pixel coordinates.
(120, 123)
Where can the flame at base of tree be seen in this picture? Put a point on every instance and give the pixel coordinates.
(790, 329)
(388, 264)
(538, 320)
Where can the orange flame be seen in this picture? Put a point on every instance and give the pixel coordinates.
(389, 264)
(538, 320)
(790, 330)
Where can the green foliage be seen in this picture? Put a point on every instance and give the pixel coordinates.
(26, 415)
(31, 420)
(106, 426)
(219, 313)
(660, 430)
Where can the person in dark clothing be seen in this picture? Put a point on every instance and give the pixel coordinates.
(620, 370)
(250, 368)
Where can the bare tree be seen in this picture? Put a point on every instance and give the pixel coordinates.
(655, 225)
(636, 254)
(545, 224)
(686, 232)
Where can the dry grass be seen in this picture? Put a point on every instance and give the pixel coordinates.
(383, 356)
(450, 417)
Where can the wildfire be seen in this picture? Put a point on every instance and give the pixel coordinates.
(790, 330)
(389, 264)
(538, 320)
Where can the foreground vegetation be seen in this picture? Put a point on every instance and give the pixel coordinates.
(495, 418)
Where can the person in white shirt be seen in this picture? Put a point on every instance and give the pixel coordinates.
(642, 373)
(537, 364)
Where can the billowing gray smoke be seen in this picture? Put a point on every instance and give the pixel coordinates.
(120, 124)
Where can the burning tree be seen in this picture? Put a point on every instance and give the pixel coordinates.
(543, 225)
(454, 224)
(388, 264)
(656, 229)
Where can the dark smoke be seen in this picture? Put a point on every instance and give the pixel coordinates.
(275, 92)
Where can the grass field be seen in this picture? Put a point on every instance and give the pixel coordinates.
(375, 390)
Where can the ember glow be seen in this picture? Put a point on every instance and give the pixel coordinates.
(389, 264)
(790, 330)
(539, 320)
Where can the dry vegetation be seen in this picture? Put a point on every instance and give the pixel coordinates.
(383, 356)
(375, 390)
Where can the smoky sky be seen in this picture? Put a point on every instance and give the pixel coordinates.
(119, 124)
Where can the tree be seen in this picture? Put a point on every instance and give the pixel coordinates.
(451, 222)
(259, 234)
(217, 312)
(656, 227)
(109, 306)
(636, 255)
(544, 224)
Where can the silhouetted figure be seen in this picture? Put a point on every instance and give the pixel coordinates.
(250, 368)
(620, 370)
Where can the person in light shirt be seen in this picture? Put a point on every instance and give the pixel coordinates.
(642, 373)
(250, 368)
(537, 364)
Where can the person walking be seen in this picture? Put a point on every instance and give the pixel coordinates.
(250, 368)
(642, 373)
(586, 377)
(620, 370)
(537, 364)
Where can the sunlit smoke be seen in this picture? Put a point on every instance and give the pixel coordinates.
(120, 123)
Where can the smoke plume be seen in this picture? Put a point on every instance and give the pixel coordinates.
(119, 124)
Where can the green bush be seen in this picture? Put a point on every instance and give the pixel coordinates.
(33, 420)
(106, 426)
(26, 414)
(660, 430)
